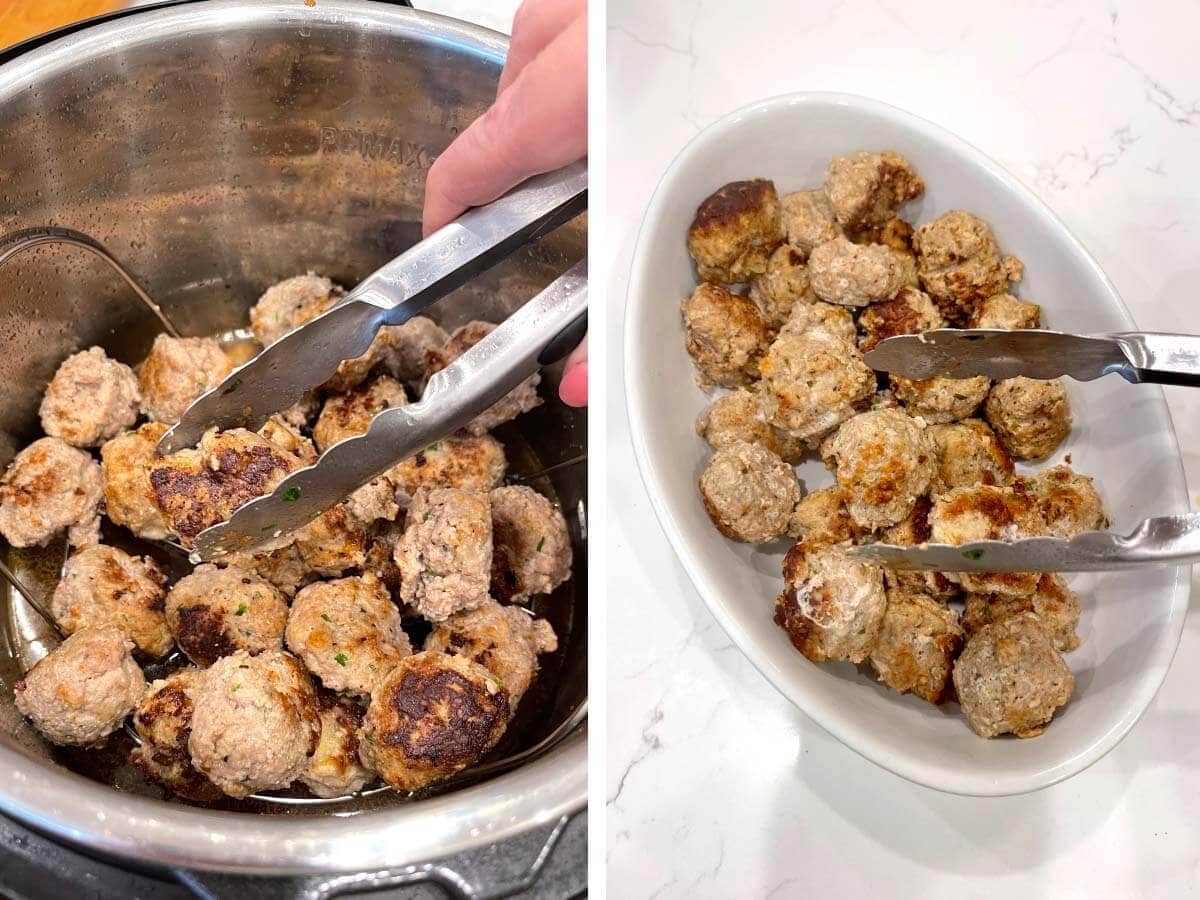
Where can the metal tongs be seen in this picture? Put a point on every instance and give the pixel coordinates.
(1138, 357)
(538, 334)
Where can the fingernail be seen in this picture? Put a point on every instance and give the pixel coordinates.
(573, 389)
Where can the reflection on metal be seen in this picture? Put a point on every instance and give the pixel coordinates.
(8, 575)
(16, 241)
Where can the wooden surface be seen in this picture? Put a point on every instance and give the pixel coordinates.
(20, 19)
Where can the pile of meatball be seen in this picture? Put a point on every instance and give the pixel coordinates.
(794, 290)
(299, 666)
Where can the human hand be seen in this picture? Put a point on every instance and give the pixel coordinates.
(537, 124)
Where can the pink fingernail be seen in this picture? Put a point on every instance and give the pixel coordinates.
(573, 389)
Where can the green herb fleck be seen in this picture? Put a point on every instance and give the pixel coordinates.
(325, 616)
(237, 383)
(960, 396)
(340, 659)
(425, 517)
(433, 447)
(241, 610)
(235, 687)
(541, 544)
(291, 494)
(973, 554)
(200, 386)
(370, 738)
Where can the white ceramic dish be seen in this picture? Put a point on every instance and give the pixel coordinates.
(1131, 622)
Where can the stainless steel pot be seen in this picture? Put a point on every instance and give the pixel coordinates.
(216, 147)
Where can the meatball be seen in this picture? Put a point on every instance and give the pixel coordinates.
(968, 454)
(983, 513)
(332, 543)
(724, 334)
(811, 383)
(177, 371)
(960, 265)
(255, 722)
(335, 769)
(735, 231)
(1006, 311)
(433, 715)
(216, 612)
(84, 689)
(912, 530)
(832, 606)
(884, 460)
(520, 399)
(1056, 606)
(854, 274)
(301, 413)
(1009, 678)
(505, 640)
(821, 316)
(103, 585)
(445, 554)
(467, 463)
(199, 487)
(128, 495)
(347, 415)
(909, 312)
(782, 286)
(736, 417)
(940, 399)
(531, 548)
(286, 436)
(90, 399)
(917, 643)
(808, 219)
(749, 493)
(405, 347)
(50, 486)
(291, 303)
(283, 567)
(163, 721)
(1030, 417)
(821, 518)
(347, 632)
(867, 189)
(1068, 502)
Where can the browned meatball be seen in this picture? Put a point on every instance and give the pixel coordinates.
(749, 493)
(738, 417)
(434, 715)
(350, 414)
(335, 770)
(332, 543)
(968, 454)
(128, 495)
(914, 530)
(214, 612)
(468, 463)
(808, 219)
(1067, 501)
(177, 371)
(163, 721)
(103, 585)
(832, 606)
(1054, 603)
(283, 567)
(520, 399)
(822, 518)
(505, 640)
(1006, 311)
(48, 487)
(405, 347)
(909, 312)
(90, 399)
(917, 644)
(445, 554)
(286, 436)
(289, 304)
(724, 334)
(347, 632)
(782, 286)
(867, 189)
(854, 274)
(1009, 678)
(1030, 417)
(805, 318)
(941, 399)
(735, 231)
(531, 548)
(199, 487)
(813, 382)
(960, 265)
(84, 689)
(255, 722)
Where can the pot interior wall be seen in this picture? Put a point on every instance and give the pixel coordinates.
(214, 161)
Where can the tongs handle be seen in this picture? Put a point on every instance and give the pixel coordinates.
(538, 334)
(1160, 358)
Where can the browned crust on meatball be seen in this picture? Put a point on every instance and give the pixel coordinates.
(169, 704)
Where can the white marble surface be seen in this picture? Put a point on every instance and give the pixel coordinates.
(718, 787)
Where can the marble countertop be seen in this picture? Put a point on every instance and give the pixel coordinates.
(716, 785)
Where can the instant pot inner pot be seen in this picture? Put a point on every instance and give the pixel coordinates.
(213, 162)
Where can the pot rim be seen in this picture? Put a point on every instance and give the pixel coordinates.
(79, 811)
